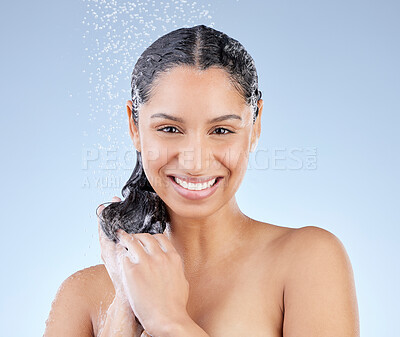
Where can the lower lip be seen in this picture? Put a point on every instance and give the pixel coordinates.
(192, 194)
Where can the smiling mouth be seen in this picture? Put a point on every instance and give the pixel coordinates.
(190, 186)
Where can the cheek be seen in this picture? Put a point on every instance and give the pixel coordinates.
(154, 158)
(234, 161)
(234, 155)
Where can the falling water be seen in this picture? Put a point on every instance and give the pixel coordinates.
(115, 34)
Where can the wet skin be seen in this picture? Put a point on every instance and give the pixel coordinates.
(238, 268)
(247, 278)
(242, 295)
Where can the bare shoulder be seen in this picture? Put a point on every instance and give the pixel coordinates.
(297, 243)
(312, 233)
(99, 289)
(75, 306)
(319, 290)
(93, 283)
(312, 243)
(311, 249)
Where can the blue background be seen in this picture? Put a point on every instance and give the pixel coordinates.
(329, 73)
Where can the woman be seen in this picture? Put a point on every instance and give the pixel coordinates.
(186, 261)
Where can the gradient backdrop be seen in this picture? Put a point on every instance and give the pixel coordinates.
(327, 157)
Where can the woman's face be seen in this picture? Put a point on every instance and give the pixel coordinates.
(177, 137)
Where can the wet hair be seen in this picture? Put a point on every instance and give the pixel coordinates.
(200, 47)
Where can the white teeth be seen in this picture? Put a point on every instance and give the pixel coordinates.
(193, 186)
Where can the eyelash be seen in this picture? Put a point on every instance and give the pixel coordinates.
(220, 134)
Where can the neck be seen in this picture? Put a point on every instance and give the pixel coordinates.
(204, 242)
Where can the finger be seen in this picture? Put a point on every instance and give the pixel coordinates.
(100, 231)
(160, 241)
(150, 244)
(128, 258)
(120, 249)
(165, 242)
(133, 245)
(99, 209)
(121, 252)
(105, 242)
(115, 199)
(107, 249)
(102, 235)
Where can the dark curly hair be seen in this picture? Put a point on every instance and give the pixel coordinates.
(201, 47)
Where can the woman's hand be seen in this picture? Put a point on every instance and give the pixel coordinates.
(154, 280)
(120, 316)
(109, 257)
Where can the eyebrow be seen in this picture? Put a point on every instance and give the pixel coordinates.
(213, 120)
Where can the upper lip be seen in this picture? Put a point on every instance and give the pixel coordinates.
(194, 180)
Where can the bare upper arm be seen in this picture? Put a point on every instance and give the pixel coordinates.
(319, 296)
(70, 313)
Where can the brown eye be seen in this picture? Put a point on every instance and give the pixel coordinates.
(224, 131)
(168, 128)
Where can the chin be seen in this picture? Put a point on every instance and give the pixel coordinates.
(193, 211)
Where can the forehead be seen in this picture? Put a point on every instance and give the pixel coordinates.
(184, 89)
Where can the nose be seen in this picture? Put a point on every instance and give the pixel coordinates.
(195, 156)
